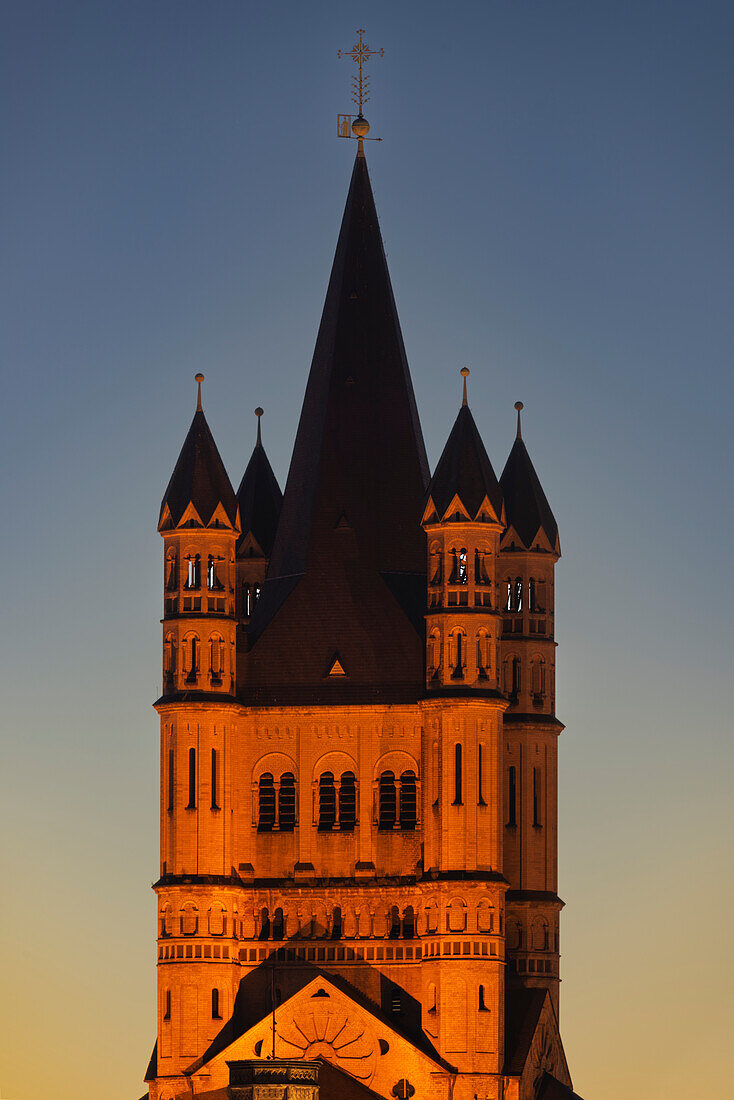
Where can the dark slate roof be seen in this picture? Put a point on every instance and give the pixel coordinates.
(152, 1071)
(199, 477)
(349, 552)
(260, 500)
(527, 507)
(522, 1012)
(464, 468)
(550, 1088)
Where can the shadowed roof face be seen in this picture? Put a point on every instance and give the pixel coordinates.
(527, 507)
(199, 477)
(260, 500)
(464, 469)
(350, 522)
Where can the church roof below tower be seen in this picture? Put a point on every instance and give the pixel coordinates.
(464, 470)
(528, 510)
(199, 477)
(259, 497)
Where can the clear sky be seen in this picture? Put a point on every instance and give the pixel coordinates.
(555, 194)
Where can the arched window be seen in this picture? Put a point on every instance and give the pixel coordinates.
(287, 803)
(171, 571)
(167, 1013)
(409, 923)
(171, 779)
(193, 575)
(454, 575)
(481, 576)
(192, 669)
(457, 776)
(480, 775)
(408, 801)
(510, 593)
(347, 802)
(213, 582)
(266, 803)
(169, 659)
(463, 568)
(536, 797)
(482, 1005)
(532, 603)
(394, 933)
(512, 796)
(434, 652)
(216, 1015)
(216, 657)
(191, 805)
(458, 654)
(435, 569)
(327, 802)
(482, 654)
(215, 792)
(537, 679)
(189, 920)
(336, 923)
(515, 679)
(386, 813)
(264, 933)
(518, 594)
(278, 925)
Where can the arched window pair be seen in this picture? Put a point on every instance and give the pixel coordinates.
(514, 594)
(276, 808)
(171, 571)
(481, 573)
(390, 814)
(459, 568)
(337, 808)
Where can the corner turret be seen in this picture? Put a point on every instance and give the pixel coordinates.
(260, 500)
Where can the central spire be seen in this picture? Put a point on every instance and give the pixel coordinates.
(359, 472)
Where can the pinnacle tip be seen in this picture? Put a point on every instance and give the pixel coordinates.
(198, 378)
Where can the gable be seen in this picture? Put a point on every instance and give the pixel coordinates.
(540, 1049)
(322, 1021)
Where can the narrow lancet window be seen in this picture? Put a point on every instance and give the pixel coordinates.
(480, 775)
(348, 802)
(408, 801)
(216, 1014)
(458, 778)
(512, 796)
(266, 803)
(192, 780)
(170, 780)
(327, 802)
(387, 801)
(536, 797)
(215, 793)
(193, 576)
(287, 803)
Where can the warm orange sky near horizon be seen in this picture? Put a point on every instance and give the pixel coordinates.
(554, 190)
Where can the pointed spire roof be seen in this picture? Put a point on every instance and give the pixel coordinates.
(199, 476)
(358, 474)
(259, 497)
(528, 510)
(464, 469)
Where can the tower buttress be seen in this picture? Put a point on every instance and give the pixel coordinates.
(529, 550)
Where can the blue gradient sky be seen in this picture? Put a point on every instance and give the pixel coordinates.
(554, 188)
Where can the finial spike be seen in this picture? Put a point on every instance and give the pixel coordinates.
(465, 372)
(258, 414)
(199, 379)
(519, 406)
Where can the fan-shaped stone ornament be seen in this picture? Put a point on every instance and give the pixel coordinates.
(329, 1031)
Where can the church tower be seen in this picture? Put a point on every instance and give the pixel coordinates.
(358, 743)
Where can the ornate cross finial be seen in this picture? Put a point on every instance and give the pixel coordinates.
(360, 53)
(199, 378)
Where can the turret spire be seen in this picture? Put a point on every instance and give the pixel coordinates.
(199, 379)
(258, 414)
(519, 406)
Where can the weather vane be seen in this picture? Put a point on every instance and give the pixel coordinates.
(350, 125)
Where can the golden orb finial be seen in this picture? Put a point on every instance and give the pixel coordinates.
(198, 378)
(519, 406)
(360, 127)
(464, 372)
